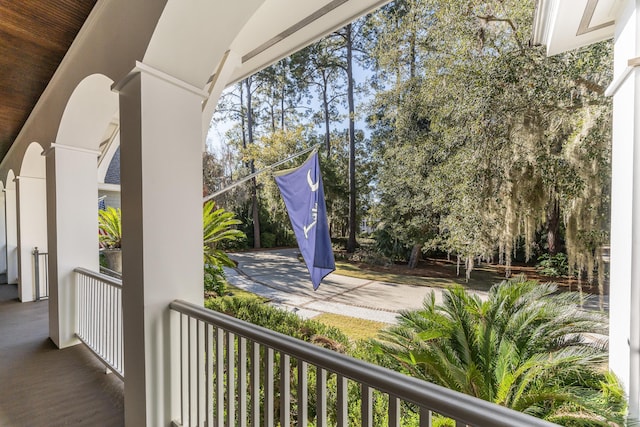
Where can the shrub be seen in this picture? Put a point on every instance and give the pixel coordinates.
(553, 265)
(214, 279)
(525, 346)
(285, 322)
(218, 227)
(371, 257)
(267, 240)
(110, 226)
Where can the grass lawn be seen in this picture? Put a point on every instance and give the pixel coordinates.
(443, 276)
(240, 293)
(354, 328)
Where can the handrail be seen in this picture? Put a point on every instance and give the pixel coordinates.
(109, 272)
(100, 326)
(461, 407)
(109, 280)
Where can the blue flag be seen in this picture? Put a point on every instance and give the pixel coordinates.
(303, 194)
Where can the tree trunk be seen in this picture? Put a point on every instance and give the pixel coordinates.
(351, 242)
(255, 212)
(415, 256)
(254, 187)
(325, 106)
(282, 95)
(553, 228)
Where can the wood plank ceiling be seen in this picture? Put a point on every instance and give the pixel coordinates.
(34, 37)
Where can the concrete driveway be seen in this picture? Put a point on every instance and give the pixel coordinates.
(281, 277)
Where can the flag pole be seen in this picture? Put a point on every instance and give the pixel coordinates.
(261, 171)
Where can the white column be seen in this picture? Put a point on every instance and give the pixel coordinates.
(161, 177)
(32, 230)
(72, 202)
(624, 320)
(12, 235)
(3, 234)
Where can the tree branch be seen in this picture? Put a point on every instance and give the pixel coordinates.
(491, 18)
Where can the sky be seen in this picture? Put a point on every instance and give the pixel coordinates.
(216, 135)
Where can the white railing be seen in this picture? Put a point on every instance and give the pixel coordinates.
(235, 373)
(41, 274)
(100, 325)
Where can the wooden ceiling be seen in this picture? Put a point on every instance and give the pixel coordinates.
(34, 37)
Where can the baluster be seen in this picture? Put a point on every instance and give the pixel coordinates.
(268, 389)
(182, 377)
(231, 386)
(189, 372)
(394, 411)
(242, 381)
(255, 384)
(303, 399)
(321, 396)
(209, 372)
(343, 416)
(285, 390)
(425, 417)
(220, 376)
(367, 406)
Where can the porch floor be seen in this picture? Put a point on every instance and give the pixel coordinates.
(43, 386)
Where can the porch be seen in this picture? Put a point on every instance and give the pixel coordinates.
(245, 375)
(155, 82)
(43, 385)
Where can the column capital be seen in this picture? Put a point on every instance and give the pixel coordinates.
(55, 146)
(142, 68)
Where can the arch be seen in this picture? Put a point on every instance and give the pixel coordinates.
(88, 113)
(181, 45)
(11, 228)
(33, 164)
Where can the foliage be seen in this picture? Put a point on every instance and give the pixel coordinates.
(217, 229)
(267, 239)
(524, 348)
(482, 139)
(214, 279)
(389, 244)
(110, 226)
(370, 257)
(285, 322)
(553, 265)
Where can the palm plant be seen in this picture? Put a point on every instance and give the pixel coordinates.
(525, 347)
(218, 229)
(110, 227)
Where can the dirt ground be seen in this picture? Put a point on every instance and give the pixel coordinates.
(487, 273)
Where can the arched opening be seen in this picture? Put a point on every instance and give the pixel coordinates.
(31, 197)
(88, 113)
(11, 218)
(87, 130)
(3, 236)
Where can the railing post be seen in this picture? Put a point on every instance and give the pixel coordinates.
(36, 267)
